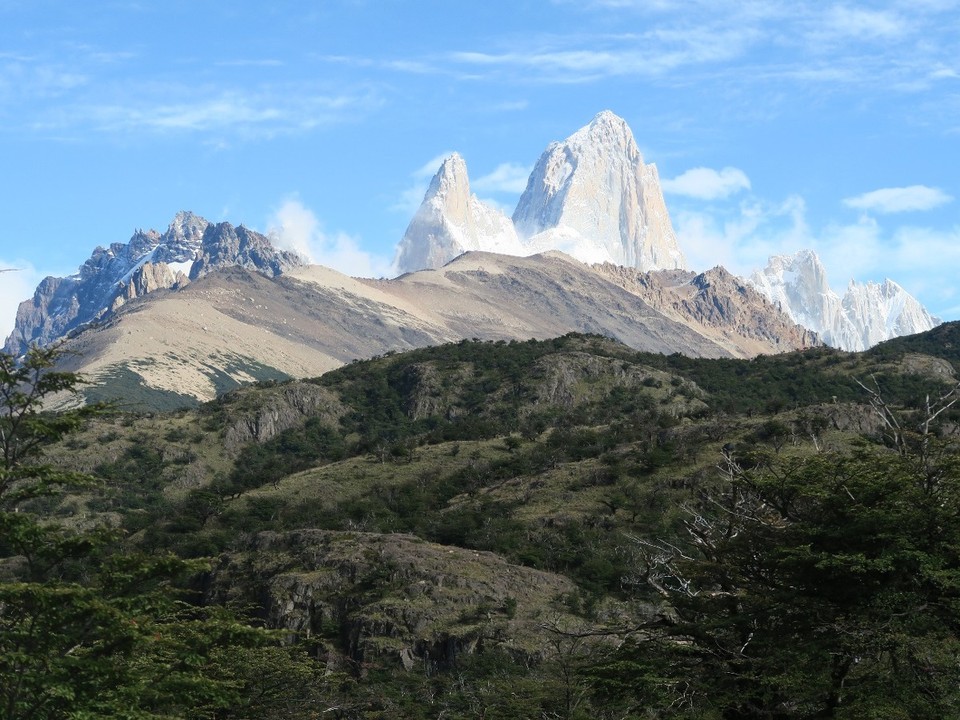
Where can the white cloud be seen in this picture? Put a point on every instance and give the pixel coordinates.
(902, 199)
(412, 196)
(653, 53)
(742, 239)
(921, 259)
(15, 287)
(507, 177)
(841, 21)
(708, 184)
(295, 227)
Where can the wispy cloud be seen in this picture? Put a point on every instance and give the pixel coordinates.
(243, 63)
(707, 184)
(581, 59)
(900, 199)
(845, 21)
(253, 113)
(295, 227)
(506, 177)
(895, 44)
(412, 196)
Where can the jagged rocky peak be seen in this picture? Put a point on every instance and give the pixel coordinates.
(866, 314)
(451, 221)
(224, 245)
(887, 311)
(149, 261)
(179, 244)
(593, 197)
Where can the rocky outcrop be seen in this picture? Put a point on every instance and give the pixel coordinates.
(369, 596)
(274, 410)
(719, 304)
(573, 379)
(223, 245)
(146, 279)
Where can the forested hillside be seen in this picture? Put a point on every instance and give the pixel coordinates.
(543, 529)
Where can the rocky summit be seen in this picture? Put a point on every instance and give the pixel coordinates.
(590, 196)
(150, 261)
(452, 221)
(866, 314)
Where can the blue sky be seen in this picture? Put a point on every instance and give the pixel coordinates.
(774, 125)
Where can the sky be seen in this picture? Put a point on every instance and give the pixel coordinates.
(774, 126)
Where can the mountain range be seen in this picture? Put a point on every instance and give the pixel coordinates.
(866, 314)
(181, 315)
(190, 248)
(176, 346)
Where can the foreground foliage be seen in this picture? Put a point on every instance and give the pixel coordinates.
(746, 539)
(89, 628)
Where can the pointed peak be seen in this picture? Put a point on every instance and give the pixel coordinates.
(609, 118)
(454, 159)
(801, 258)
(451, 174)
(183, 216)
(605, 127)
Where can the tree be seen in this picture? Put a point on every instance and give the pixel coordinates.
(817, 587)
(88, 627)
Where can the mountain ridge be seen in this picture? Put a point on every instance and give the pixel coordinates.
(234, 326)
(190, 248)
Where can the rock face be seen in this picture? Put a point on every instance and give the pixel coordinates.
(114, 275)
(865, 315)
(443, 601)
(451, 221)
(223, 245)
(593, 197)
(590, 196)
(719, 305)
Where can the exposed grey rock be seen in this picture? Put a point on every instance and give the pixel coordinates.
(451, 221)
(223, 245)
(593, 197)
(148, 262)
(590, 196)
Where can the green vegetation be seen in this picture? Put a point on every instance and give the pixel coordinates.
(565, 528)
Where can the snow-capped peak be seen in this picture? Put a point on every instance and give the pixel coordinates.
(450, 221)
(596, 184)
(866, 314)
(591, 196)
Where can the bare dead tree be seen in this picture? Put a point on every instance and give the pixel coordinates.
(915, 440)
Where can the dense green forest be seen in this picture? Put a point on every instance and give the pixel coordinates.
(543, 529)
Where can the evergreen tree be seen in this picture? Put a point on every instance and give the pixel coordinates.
(88, 628)
(825, 586)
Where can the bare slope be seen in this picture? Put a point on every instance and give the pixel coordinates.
(234, 326)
